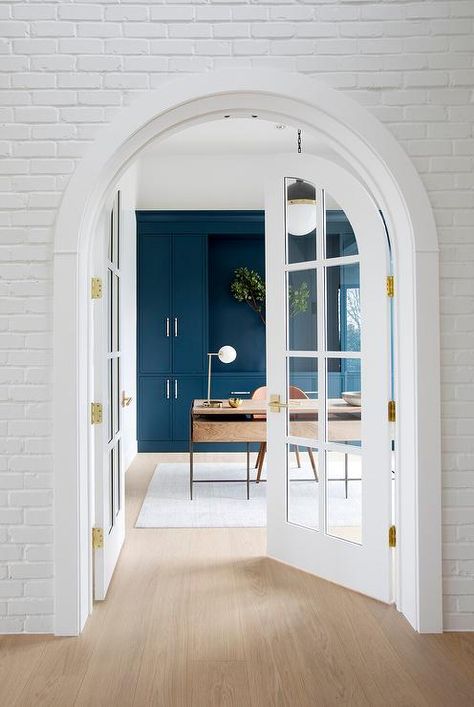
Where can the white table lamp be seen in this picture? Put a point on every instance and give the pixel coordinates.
(226, 354)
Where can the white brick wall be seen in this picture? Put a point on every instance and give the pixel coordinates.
(67, 68)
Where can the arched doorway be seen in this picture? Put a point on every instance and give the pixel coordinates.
(371, 153)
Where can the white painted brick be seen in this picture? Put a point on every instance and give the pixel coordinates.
(145, 29)
(13, 29)
(81, 46)
(53, 63)
(10, 552)
(52, 29)
(39, 588)
(39, 624)
(39, 553)
(126, 46)
(32, 570)
(30, 606)
(129, 13)
(99, 29)
(81, 11)
(37, 11)
(10, 624)
(10, 588)
(33, 80)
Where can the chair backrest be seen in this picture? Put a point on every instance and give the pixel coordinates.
(297, 393)
(260, 394)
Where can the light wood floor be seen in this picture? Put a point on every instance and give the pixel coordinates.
(200, 618)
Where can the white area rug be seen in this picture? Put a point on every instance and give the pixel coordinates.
(224, 505)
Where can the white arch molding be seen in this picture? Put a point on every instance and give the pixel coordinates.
(380, 163)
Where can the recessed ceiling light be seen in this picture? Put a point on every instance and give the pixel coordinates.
(254, 116)
(280, 126)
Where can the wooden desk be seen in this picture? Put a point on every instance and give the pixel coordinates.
(227, 424)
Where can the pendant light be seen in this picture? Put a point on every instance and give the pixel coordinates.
(301, 205)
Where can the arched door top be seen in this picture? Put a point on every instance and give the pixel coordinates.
(360, 139)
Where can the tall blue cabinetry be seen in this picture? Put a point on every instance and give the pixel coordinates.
(185, 309)
(172, 326)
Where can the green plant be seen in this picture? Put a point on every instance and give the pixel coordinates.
(249, 286)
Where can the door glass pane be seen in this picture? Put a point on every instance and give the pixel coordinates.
(344, 400)
(344, 496)
(301, 219)
(110, 406)
(118, 502)
(117, 231)
(302, 310)
(111, 488)
(115, 312)
(302, 396)
(110, 250)
(110, 299)
(343, 320)
(116, 395)
(340, 238)
(303, 486)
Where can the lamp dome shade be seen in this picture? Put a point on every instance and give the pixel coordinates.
(301, 212)
(227, 354)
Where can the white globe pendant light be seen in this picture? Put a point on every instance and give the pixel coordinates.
(301, 208)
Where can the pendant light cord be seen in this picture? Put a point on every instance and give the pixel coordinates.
(299, 141)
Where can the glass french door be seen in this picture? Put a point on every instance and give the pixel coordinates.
(110, 516)
(328, 376)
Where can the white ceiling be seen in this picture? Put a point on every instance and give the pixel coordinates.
(234, 136)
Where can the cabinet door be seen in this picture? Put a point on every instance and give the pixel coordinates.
(189, 304)
(154, 304)
(154, 419)
(184, 390)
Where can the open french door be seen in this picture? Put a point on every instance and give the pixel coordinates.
(109, 532)
(328, 336)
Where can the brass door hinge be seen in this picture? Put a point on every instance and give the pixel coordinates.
(390, 286)
(96, 413)
(392, 411)
(392, 536)
(97, 538)
(96, 288)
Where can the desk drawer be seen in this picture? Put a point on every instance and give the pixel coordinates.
(235, 386)
(229, 431)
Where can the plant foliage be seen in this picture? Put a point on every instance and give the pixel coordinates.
(249, 286)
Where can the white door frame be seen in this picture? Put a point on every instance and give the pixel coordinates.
(366, 147)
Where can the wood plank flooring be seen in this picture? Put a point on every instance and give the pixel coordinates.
(200, 618)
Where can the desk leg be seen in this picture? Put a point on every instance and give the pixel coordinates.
(248, 471)
(346, 474)
(191, 470)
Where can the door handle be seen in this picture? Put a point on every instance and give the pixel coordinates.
(276, 406)
(175, 389)
(167, 326)
(176, 326)
(167, 388)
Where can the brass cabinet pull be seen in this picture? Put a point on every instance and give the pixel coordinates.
(176, 326)
(175, 389)
(167, 388)
(167, 326)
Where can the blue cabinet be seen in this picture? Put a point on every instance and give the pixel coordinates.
(154, 413)
(164, 403)
(172, 303)
(154, 304)
(189, 286)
